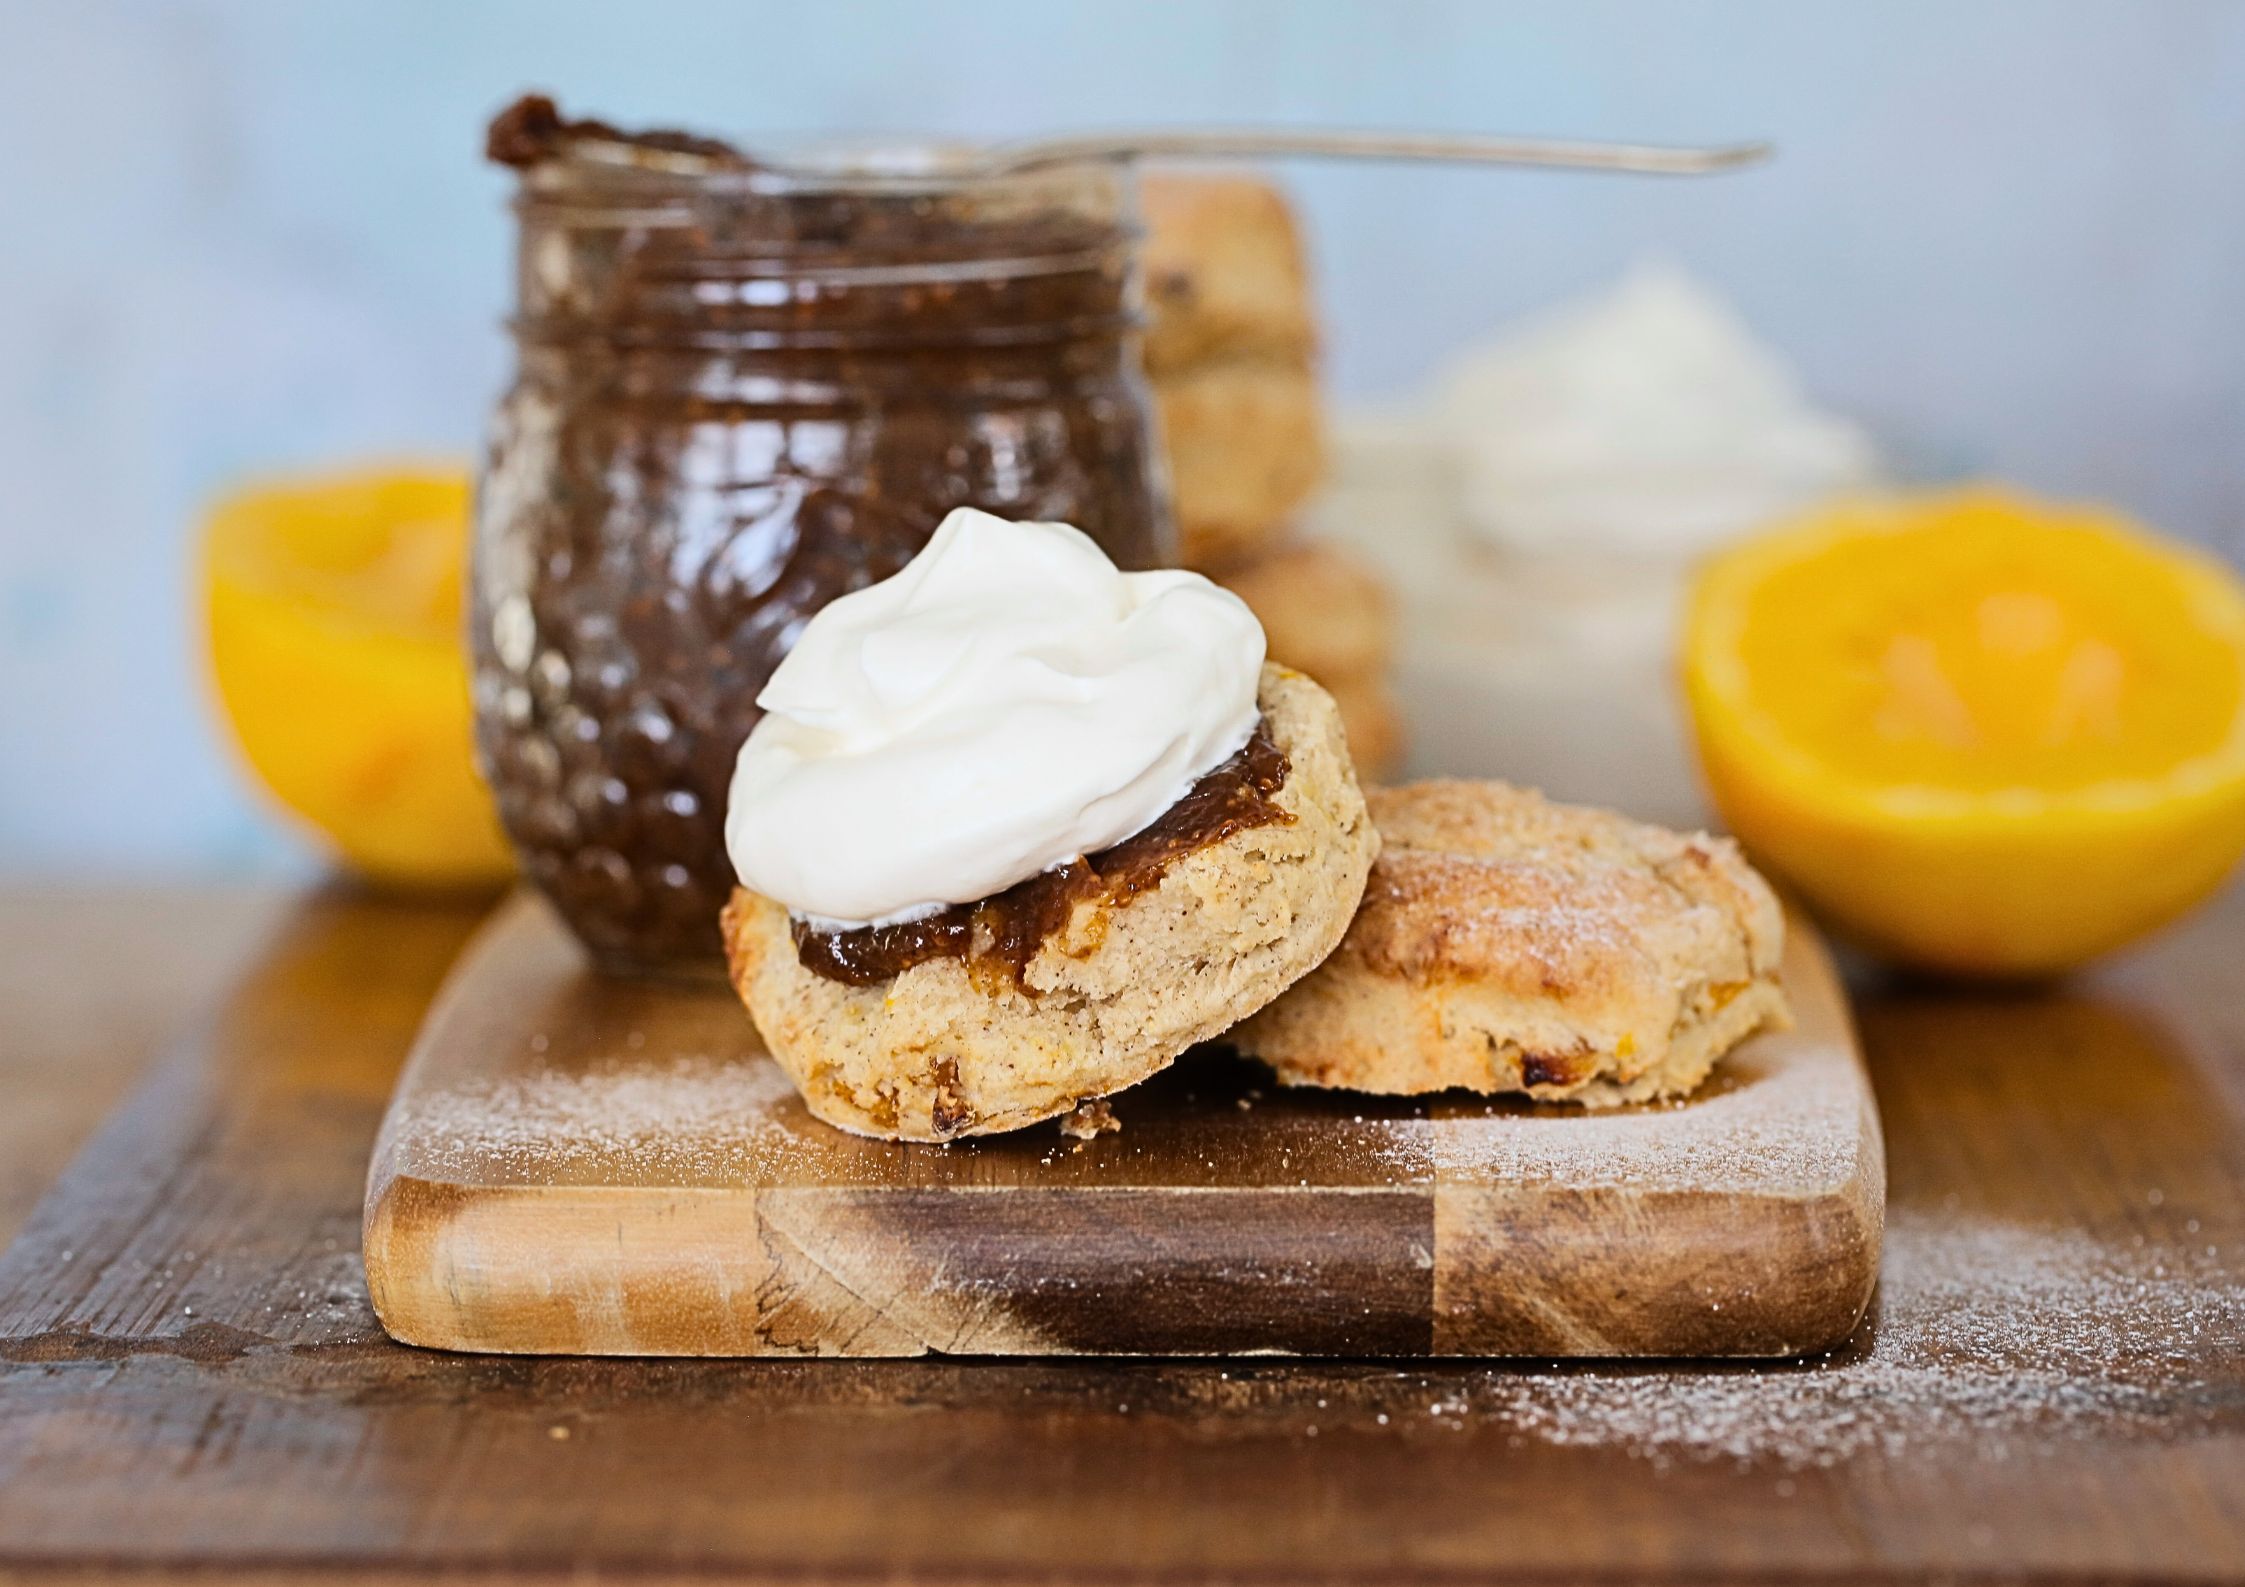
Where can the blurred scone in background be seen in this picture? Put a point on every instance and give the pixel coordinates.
(1231, 350)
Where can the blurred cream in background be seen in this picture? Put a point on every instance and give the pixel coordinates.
(1541, 509)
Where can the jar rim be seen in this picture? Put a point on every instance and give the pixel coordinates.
(818, 168)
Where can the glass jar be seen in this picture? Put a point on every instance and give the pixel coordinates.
(741, 393)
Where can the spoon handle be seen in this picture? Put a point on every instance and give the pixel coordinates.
(1262, 143)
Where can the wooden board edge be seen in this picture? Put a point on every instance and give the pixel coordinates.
(899, 1271)
(1745, 1276)
(604, 1271)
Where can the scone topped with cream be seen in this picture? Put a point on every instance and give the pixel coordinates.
(1017, 829)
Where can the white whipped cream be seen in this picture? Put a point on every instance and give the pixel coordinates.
(1007, 702)
(1645, 423)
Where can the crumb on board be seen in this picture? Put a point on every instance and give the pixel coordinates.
(1090, 1120)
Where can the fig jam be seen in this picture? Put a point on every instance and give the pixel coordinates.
(1003, 933)
(743, 391)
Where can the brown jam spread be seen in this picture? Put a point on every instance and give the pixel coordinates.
(741, 392)
(533, 130)
(1000, 935)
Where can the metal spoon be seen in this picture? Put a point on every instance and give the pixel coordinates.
(1257, 143)
(1246, 143)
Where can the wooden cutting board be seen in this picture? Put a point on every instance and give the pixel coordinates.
(575, 1165)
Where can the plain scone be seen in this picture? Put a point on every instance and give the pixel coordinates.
(1245, 439)
(1507, 943)
(1225, 274)
(1113, 997)
(1322, 610)
(1374, 721)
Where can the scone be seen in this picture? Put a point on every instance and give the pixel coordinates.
(1322, 609)
(1040, 1005)
(1507, 943)
(1246, 447)
(1374, 723)
(1224, 273)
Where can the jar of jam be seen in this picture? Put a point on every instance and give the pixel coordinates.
(742, 391)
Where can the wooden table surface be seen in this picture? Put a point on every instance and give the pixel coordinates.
(2051, 1384)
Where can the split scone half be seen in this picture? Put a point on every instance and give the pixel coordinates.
(1100, 975)
(1507, 943)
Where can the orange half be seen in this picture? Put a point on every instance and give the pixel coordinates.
(1984, 734)
(335, 622)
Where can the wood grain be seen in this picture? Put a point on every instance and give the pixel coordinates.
(93, 983)
(574, 1166)
(2050, 1386)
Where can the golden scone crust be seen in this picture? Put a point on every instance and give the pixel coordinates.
(1246, 444)
(1507, 943)
(1323, 610)
(936, 1052)
(1224, 272)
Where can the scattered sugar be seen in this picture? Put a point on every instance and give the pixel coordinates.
(1768, 1120)
(1985, 1333)
(681, 1120)
(1760, 1125)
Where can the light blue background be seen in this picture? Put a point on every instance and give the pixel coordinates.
(2010, 236)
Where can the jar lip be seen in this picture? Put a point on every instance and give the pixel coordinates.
(906, 160)
(873, 167)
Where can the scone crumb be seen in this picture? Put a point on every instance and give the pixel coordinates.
(1090, 1120)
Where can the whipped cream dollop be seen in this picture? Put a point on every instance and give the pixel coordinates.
(1646, 422)
(1006, 703)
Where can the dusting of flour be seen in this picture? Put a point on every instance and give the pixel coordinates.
(682, 1120)
(1997, 1335)
(1783, 1126)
